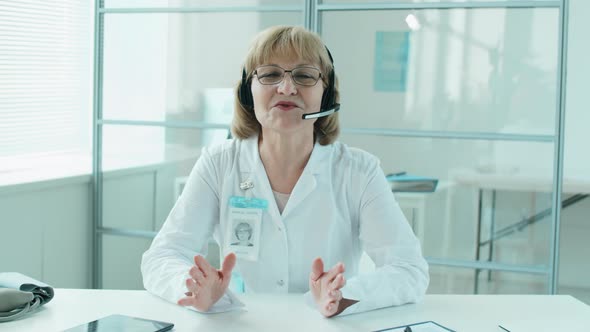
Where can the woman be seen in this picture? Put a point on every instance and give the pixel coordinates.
(243, 234)
(312, 202)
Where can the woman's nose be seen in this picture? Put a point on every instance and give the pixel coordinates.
(287, 85)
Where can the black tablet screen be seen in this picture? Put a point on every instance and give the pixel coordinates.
(116, 323)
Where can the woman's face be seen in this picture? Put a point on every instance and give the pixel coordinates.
(280, 107)
(243, 234)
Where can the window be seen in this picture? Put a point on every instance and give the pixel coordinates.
(46, 77)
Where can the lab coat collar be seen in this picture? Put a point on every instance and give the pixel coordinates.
(252, 169)
(250, 160)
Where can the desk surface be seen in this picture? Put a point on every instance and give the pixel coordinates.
(519, 181)
(479, 313)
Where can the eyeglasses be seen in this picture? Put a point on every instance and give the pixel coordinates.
(272, 74)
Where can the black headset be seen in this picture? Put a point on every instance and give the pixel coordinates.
(328, 98)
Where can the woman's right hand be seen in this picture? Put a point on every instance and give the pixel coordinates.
(207, 284)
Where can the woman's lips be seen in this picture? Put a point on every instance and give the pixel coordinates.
(286, 106)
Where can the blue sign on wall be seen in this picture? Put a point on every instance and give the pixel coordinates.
(391, 61)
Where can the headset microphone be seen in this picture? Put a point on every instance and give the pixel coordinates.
(329, 104)
(319, 114)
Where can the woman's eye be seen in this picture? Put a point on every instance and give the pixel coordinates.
(304, 76)
(270, 75)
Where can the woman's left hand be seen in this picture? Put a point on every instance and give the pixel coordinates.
(325, 288)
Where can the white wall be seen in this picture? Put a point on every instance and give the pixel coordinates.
(473, 76)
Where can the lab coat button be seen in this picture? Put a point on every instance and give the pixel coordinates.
(280, 283)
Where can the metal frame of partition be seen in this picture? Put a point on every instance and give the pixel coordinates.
(312, 11)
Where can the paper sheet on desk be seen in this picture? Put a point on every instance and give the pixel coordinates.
(546, 325)
(429, 326)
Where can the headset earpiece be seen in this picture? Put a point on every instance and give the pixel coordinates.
(245, 93)
(328, 101)
(329, 96)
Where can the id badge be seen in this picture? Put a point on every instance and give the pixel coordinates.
(243, 231)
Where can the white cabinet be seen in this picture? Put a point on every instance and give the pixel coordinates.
(46, 231)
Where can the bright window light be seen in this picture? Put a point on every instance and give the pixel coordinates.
(45, 85)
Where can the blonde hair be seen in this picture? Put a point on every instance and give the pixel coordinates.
(287, 42)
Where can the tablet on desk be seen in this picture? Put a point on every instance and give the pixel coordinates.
(116, 323)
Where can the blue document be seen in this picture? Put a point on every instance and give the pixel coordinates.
(402, 182)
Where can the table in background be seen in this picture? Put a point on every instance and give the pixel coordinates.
(478, 313)
(578, 187)
(416, 203)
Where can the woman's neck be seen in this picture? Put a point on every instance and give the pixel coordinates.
(284, 157)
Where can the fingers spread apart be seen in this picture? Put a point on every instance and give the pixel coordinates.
(192, 287)
(333, 273)
(204, 266)
(197, 274)
(191, 295)
(337, 283)
(335, 295)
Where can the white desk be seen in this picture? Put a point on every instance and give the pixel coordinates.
(478, 313)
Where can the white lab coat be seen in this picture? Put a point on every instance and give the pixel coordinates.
(341, 206)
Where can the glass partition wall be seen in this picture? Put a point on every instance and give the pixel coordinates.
(165, 75)
(468, 92)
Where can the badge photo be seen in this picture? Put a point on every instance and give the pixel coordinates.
(243, 232)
